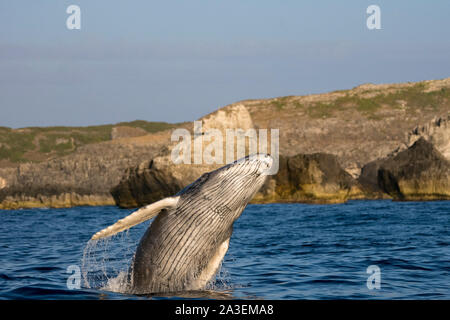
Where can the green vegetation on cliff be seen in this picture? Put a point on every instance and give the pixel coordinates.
(369, 102)
(37, 144)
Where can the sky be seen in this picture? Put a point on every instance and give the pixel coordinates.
(177, 60)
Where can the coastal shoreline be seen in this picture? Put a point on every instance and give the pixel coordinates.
(389, 141)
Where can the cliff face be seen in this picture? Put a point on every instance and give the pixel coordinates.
(358, 125)
(82, 178)
(148, 182)
(358, 128)
(353, 128)
(309, 178)
(420, 172)
(437, 132)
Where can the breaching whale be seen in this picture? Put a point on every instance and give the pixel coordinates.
(183, 247)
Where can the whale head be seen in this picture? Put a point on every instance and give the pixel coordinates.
(231, 187)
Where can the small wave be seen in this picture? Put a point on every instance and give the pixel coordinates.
(4, 276)
(119, 284)
(402, 264)
(42, 292)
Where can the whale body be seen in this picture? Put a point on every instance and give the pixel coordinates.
(185, 244)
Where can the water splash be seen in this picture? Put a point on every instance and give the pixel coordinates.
(222, 280)
(106, 262)
(120, 283)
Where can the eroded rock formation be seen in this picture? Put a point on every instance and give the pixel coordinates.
(420, 172)
(314, 178)
(309, 178)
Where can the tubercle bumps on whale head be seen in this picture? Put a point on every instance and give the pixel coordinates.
(266, 163)
(261, 162)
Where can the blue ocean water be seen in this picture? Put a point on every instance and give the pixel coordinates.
(277, 251)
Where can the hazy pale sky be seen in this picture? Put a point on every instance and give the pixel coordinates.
(179, 60)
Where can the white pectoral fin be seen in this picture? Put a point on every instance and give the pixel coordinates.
(137, 217)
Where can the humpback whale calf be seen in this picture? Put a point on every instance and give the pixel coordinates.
(183, 247)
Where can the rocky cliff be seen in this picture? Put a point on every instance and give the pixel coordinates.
(420, 172)
(309, 178)
(437, 132)
(358, 125)
(351, 130)
(355, 129)
(82, 178)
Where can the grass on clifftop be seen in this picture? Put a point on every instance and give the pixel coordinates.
(37, 143)
(411, 98)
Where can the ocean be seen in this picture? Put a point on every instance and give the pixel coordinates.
(376, 249)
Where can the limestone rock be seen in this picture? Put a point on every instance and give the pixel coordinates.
(309, 178)
(82, 178)
(418, 173)
(437, 132)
